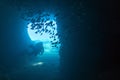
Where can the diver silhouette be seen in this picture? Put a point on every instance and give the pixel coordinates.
(37, 49)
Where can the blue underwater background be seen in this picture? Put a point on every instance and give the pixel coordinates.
(59, 40)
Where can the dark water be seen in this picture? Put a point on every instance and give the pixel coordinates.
(89, 34)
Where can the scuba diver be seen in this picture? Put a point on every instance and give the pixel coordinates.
(37, 48)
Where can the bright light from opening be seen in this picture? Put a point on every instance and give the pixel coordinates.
(47, 32)
(45, 36)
